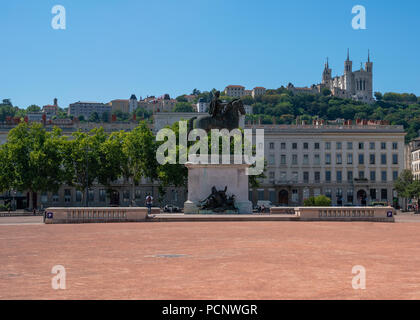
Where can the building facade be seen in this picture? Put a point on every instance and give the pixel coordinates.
(85, 109)
(356, 85)
(235, 91)
(353, 164)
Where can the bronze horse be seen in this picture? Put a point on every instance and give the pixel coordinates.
(227, 119)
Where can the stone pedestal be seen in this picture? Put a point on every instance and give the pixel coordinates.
(202, 177)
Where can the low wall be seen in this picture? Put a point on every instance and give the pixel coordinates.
(380, 214)
(97, 215)
(283, 210)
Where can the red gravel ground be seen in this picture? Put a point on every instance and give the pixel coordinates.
(220, 260)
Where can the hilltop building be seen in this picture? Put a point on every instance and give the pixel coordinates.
(356, 85)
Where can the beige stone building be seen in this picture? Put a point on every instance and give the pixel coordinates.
(351, 164)
(235, 91)
(258, 91)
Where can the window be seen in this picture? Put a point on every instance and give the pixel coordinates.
(349, 145)
(361, 158)
(126, 195)
(383, 158)
(349, 158)
(260, 194)
(350, 196)
(372, 158)
(394, 175)
(328, 145)
(294, 159)
(339, 159)
(283, 145)
(91, 195)
(55, 197)
(327, 158)
(67, 195)
(361, 145)
(295, 196)
(395, 146)
(271, 145)
(283, 159)
(317, 159)
(339, 176)
(305, 145)
(317, 176)
(44, 197)
(305, 159)
(283, 176)
(272, 196)
(373, 176)
(383, 176)
(328, 193)
(271, 159)
(361, 174)
(295, 176)
(271, 175)
(328, 176)
(78, 196)
(395, 158)
(306, 177)
(372, 194)
(384, 194)
(372, 145)
(338, 146)
(349, 176)
(316, 146)
(383, 145)
(294, 145)
(102, 195)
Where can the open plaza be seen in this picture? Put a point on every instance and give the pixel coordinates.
(210, 260)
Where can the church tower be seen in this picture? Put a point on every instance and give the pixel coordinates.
(348, 70)
(369, 71)
(326, 75)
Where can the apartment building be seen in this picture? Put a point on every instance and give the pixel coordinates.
(351, 164)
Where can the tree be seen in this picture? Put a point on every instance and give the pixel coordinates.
(378, 96)
(82, 160)
(139, 149)
(183, 107)
(195, 92)
(325, 92)
(319, 201)
(33, 108)
(181, 98)
(94, 117)
(105, 117)
(33, 158)
(402, 185)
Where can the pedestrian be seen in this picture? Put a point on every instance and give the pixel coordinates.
(149, 203)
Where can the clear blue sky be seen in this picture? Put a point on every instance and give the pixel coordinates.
(111, 49)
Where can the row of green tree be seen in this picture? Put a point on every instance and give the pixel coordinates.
(37, 160)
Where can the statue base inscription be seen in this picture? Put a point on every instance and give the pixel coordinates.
(205, 179)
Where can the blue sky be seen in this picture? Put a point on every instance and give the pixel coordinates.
(111, 49)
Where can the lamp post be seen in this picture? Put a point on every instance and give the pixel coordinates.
(87, 176)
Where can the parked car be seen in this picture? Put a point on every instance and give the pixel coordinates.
(171, 208)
